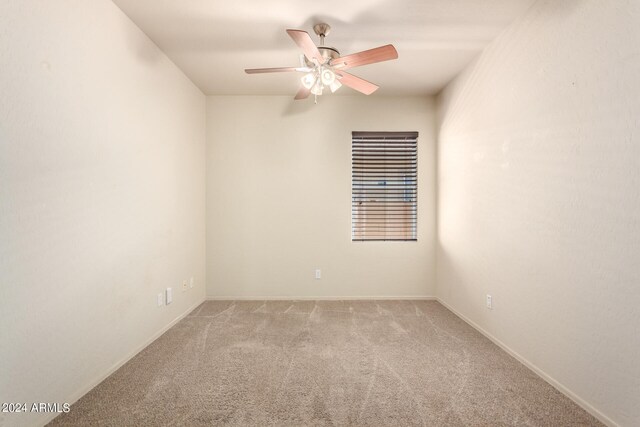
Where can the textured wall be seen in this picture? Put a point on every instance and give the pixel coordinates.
(279, 198)
(539, 168)
(102, 144)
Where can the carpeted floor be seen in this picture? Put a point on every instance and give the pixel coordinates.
(299, 363)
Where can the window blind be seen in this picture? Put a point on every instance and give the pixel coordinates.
(384, 186)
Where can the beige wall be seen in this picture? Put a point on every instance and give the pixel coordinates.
(279, 198)
(539, 168)
(102, 144)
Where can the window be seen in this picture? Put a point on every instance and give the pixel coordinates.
(384, 186)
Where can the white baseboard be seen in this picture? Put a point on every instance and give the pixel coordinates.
(319, 298)
(87, 388)
(553, 382)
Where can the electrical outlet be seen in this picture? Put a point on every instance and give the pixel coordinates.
(489, 302)
(169, 293)
(191, 282)
(318, 274)
(184, 286)
(160, 300)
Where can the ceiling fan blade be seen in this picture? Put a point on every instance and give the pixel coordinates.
(378, 54)
(275, 70)
(361, 85)
(303, 93)
(303, 40)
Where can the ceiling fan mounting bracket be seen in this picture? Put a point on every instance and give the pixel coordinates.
(322, 29)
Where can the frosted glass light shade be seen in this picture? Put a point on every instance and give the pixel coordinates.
(335, 85)
(308, 80)
(327, 76)
(317, 88)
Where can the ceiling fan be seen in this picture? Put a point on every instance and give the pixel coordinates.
(324, 67)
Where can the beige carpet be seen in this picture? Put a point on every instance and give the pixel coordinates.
(376, 363)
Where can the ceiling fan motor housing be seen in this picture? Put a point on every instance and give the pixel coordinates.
(327, 53)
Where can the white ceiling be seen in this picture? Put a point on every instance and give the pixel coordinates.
(213, 41)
